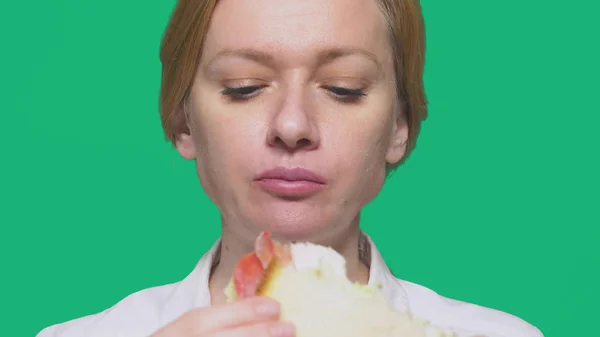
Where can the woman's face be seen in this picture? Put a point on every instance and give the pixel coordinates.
(288, 85)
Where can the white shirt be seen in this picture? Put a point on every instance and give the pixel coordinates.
(142, 313)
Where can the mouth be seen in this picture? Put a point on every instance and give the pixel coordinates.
(295, 182)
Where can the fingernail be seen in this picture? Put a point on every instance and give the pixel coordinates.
(282, 330)
(267, 308)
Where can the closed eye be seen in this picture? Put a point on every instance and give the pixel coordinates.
(346, 95)
(342, 94)
(242, 93)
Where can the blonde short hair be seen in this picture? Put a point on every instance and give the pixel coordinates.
(181, 50)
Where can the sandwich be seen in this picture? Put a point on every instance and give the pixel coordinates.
(309, 281)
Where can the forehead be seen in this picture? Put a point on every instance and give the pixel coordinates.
(296, 28)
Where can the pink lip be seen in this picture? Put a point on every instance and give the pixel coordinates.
(294, 182)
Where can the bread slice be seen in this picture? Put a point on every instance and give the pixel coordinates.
(309, 281)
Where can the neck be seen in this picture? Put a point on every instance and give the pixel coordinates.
(234, 246)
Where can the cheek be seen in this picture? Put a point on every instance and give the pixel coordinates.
(225, 145)
(221, 149)
(360, 160)
(362, 145)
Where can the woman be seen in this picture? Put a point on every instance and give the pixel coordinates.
(294, 112)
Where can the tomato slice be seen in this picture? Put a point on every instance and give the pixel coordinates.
(247, 275)
(264, 248)
(250, 270)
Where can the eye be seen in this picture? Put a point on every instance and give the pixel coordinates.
(242, 93)
(346, 95)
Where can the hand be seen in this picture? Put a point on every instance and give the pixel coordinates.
(252, 317)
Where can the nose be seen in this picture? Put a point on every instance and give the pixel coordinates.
(293, 126)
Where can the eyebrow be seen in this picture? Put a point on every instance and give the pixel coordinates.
(324, 56)
(245, 53)
(329, 55)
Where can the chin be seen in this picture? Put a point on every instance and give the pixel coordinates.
(302, 226)
(313, 219)
(296, 231)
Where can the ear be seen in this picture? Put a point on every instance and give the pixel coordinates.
(185, 142)
(185, 146)
(399, 138)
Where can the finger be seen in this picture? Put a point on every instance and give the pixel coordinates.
(273, 329)
(245, 312)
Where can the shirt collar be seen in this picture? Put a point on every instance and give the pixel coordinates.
(380, 274)
(193, 291)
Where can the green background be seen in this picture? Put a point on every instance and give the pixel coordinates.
(498, 206)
